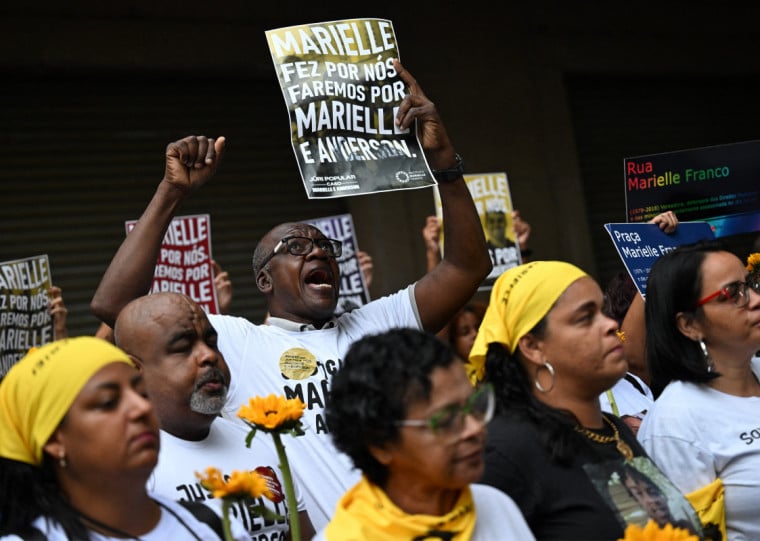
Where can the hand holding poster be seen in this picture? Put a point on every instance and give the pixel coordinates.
(184, 262)
(640, 244)
(342, 93)
(353, 290)
(25, 321)
(493, 201)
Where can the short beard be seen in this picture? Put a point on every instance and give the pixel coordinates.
(209, 404)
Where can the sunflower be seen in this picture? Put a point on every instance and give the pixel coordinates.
(277, 415)
(753, 263)
(273, 413)
(240, 484)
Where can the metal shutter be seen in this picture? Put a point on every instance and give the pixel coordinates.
(82, 153)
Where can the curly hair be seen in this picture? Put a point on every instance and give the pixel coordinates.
(381, 376)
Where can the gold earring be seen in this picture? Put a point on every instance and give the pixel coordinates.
(620, 335)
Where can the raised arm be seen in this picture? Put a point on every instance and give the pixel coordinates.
(466, 263)
(58, 311)
(522, 234)
(366, 266)
(190, 162)
(431, 234)
(223, 286)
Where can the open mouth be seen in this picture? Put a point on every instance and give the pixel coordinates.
(320, 278)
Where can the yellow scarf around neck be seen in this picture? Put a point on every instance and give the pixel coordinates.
(366, 512)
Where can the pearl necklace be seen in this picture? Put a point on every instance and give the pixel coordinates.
(622, 447)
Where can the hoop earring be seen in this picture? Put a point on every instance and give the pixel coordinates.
(550, 369)
(706, 354)
(62, 462)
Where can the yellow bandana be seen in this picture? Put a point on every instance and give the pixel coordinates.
(520, 298)
(366, 512)
(39, 389)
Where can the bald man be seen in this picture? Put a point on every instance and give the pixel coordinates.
(186, 377)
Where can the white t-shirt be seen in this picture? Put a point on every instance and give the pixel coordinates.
(176, 523)
(627, 398)
(224, 448)
(295, 360)
(498, 517)
(696, 434)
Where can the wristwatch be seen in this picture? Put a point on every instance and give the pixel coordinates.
(451, 174)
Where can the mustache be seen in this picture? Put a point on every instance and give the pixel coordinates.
(213, 375)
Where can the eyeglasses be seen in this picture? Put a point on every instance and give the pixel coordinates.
(736, 292)
(304, 245)
(753, 281)
(449, 422)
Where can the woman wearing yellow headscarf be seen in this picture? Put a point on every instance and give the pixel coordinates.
(549, 352)
(78, 442)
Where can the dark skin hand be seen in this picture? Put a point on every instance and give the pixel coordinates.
(466, 261)
(223, 286)
(191, 161)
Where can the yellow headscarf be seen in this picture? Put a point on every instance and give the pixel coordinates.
(520, 298)
(39, 389)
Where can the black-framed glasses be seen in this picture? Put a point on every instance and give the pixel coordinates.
(304, 245)
(736, 292)
(448, 423)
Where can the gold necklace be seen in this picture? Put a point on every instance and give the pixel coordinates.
(622, 447)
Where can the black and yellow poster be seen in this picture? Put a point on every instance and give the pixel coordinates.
(342, 94)
(25, 320)
(493, 201)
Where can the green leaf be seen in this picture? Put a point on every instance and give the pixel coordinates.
(297, 431)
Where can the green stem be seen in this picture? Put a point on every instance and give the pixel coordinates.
(226, 520)
(290, 496)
